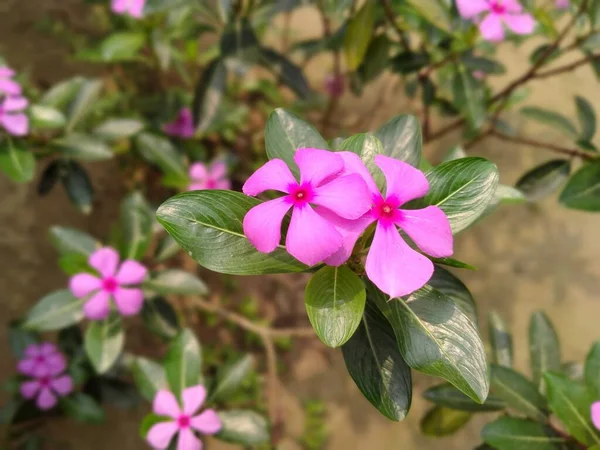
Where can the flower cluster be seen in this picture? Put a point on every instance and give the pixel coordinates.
(182, 420)
(347, 202)
(119, 282)
(46, 365)
(12, 104)
(213, 176)
(182, 126)
(133, 8)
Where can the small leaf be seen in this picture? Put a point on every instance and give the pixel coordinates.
(401, 139)
(335, 301)
(136, 225)
(286, 71)
(82, 408)
(543, 180)
(79, 187)
(83, 147)
(551, 118)
(242, 427)
(440, 421)
(149, 377)
(208, 94)
(582, 192)
(159, 151)
(59, 95)
(19, 339)
(501, 340)
(376, 59)
(16, 161)
(482, 64)
(167, 248)
(409, 62)
(113, 129)
(433, 11)
(69, 240)
(183, 362)
(175, 281)
(450, 397)
(103, 342)
(468, 97)
(452, 287)
(544, 347)
(367, 147)
(160, 317)
(231, 377)
(81, 105)
(54, 311)
(46, 117)
(50, 177)
(451, 262)
(510, 433)
(587, 118)
(592, 369)
(123, 46)
(358, 35)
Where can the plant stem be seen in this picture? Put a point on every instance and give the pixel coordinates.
(537, 144)
(389, 14)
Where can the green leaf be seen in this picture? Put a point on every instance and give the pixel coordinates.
(409, 62)
(208, 225)
(59, 95)
(358, 35)
(452, 287)
(437, 338)
(160, 317)
(78, 186)
(367, 147)
(16, 161)
(468, 97)
(286, 71)
(113, 129)
(463, 189)
(401, 139)
(587, 118)
(451, 262)
(136, 225)
(243, 427)
(149, 377)
(571, 402)
(509, 433)
(56, 310)
(183, 362)
(82, 408)
(208, 95)
(440, 421)
(285, 133)
(504, 194)
(159, 151)
(583, 189)
(175, 281)
(552, 119)
(335, 301)
(103, 342)
(376, 58)
(82, 104)
(434, 11)
(50, 176)
(518, 392)
(376, 366)
(69, 240)
(450, 397)
(482, 64)
(19, 339)
(592, 369)
(501, 340)
(239, 41)
(149, 421)
(123, 46)
(544, 347)
(544, 179)
(231, 377)
(43, 116)
(83, 147)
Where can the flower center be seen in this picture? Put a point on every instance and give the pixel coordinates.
(40, 359)
(300, 195)
(386, 210)
(497, 7)
(110, 284)
(45, 381)
(211, 183)
(183, 421)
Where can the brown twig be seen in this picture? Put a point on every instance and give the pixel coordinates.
(544, 145)
(568, 67)
(389, 14)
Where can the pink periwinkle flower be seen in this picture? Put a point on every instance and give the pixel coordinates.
(133, 8)
(213, 176)
(185, 420)
(310, 238)
(42, 360)
(562, 4)
(46, 365)
(334, 85)
(595, 413)
(12, 118)
(391, 263)
(8, 86)
(479, 74)
(499, 13)
(111, 284)
(182, 126)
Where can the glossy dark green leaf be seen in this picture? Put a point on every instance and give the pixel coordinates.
(69, 240)
(56, 310)
(583, 189)
(176, 281)
(103, 342)
(335, 301)
(358, 35)
(500, 340)
(546, 51)
(82, 408)
(367, 147)
(231, 377)
(159, 151)
(518, 392)
(544, 179)
(286, 71)
(401, 139)
(285, 133)
(408, 62)
(376, 366)
(82, 103)
(149, 377)
(592, 369)
(571, 402)
(78, 187)
(239, 41)
(208, 225)
(440, 421)
(16, 161)
(246, 428)
(43, 117)
(114, 129)
(587, 118)
(449, 285)
(50, 176)
(451, 262)
(208, 94)
(167, 248)
(510, 433)
(450, 397)
(468, 97)
(136, 225)
(83, 147)
(483, 64)
(544, 347)
(437, 338)
(160, 317)
(428, 90)
(183, 362)
(124, 46)
(19, 339)
(376, 59)
(59, 95)
(434, 11)
(551, 118)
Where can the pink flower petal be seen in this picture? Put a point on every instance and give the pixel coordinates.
(29, 389)
(207, 423)
(595, 412)
(26, 366)
(491, 28)
(10, 87)
(62, 385)
(262, 224)
(350, 230)
(48, 348)
(129, 301)
(56, 364)
(84, 284)
(273, 175)
(136, 8)
(512, 6)
(46, 399)
(562, 4)
(404, 182)
(188, 441)
(335, 196)
(165, 404)
(15, 124)
(471, 8)
(6, 72)
(97, 307)
(119, 6)
(310, 238)
(197, 186)
(218, 169)
(223, 184)
(353, 164)
(160, 435)
(105, 260)
(14, 104)
(393, 266)
(429, 228)
(193, 398)
(520, 23)
(316, 165)
(131, 272)
(32, 350)
(198, 171)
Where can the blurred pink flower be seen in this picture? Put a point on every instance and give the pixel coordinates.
(110, 285)
(310, 237)
(479, 74)
(8, 86)
(182, 126)
(499, 14)
(211, 177)
(185, 420)
(562, 4)
(133, 8)
(42, 360)
(595, 412)
(334, 85)
(12, 118)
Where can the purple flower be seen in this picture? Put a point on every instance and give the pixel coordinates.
(8, 86)
(110, 285)
(211, 177)
(184, 422)
(562, 4)
(12, 118)
(133, 8)
(182, 126)
(595, 413)
(499, 13)
(310, 237)
(392, 264)
(42, 360)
